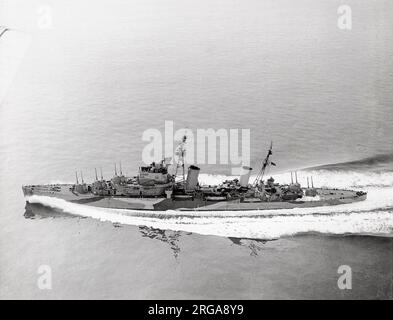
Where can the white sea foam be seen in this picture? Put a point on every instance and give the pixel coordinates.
(373, 216)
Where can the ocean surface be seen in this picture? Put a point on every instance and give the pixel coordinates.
(80, 86)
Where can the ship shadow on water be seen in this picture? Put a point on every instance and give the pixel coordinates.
(255, 245)
(172, 238)
(168, 236)
(40, 211)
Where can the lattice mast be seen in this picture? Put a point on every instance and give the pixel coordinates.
(265, 163)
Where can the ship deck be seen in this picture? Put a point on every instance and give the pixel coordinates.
(326, 197)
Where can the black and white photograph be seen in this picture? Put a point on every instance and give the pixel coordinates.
(196, 150)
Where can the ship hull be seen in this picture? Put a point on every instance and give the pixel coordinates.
(326, 197)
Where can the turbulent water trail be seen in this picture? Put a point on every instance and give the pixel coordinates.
(373, 216)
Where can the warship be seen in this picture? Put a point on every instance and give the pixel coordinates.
(155, 188)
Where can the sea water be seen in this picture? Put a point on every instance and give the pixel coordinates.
(88, 85)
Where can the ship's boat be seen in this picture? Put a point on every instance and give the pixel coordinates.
(183, 196)
(216, 198)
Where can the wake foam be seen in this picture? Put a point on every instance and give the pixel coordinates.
(372, 216)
